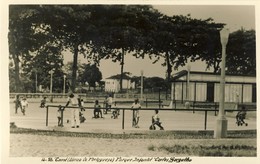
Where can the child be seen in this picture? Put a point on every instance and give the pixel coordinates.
(82, 105)
(136, 106)
(17, 102)
(115, 113)
(97, 110)
(105, 105)
(241, 115)
(43, 102)
(81, 117)
(24, 104)
(156, 121)
(59, 116)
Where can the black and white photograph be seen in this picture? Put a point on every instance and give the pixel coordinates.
(129, 82)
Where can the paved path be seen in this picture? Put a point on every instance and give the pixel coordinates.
(35, 118)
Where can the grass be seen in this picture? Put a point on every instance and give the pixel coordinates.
(141, 135)
(208, 150)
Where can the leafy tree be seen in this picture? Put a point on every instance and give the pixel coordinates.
(21, 37)
(90, 74)
(178, 38)
(155, 83)
(28, 36)
(241, 53)
(121, 28)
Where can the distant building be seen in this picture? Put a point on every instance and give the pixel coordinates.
(205, 86)
(112, 84)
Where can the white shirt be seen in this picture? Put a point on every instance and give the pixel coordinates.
(73, 101)
(136, 105)
(24, 103)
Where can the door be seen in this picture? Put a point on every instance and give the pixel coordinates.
(254, 93)
(210, 92)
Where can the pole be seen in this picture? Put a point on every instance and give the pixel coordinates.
(159, 98)
(64, 84)
(221, 127)
(142, 83)
(51, 72)
(36, 79)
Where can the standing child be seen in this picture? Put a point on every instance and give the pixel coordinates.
(24, 104)
(136, 106)
(109, 102)
(59, 116)
(17, 102)
(82, 105)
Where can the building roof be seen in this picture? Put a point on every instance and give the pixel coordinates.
(182, 73)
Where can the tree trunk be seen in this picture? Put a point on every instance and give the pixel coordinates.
(122, 68)
(169, 66)
(17, 74)
(74, 68)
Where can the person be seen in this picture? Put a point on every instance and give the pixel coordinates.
(136, 106)
(109, 102)
(24, 105)
(59, 116)
(105, 105)
(81, 117)
(17, 102)
(73, 100)
(241, 115)
(97, 110)
(43, 102)
(82, 105)
(156, 121)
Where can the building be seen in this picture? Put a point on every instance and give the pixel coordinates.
(112, 84)
(205, 86)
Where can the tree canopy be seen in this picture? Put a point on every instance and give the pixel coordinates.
(38, 34)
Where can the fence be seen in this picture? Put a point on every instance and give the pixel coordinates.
(123, 112)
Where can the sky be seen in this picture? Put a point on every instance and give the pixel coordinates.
(235, 17)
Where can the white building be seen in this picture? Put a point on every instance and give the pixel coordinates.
(205, 87)
(112, 84)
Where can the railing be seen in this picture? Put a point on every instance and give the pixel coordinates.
(164, 109)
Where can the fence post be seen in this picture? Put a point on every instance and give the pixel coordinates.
(205, 123)
(133, 119)
(62, 117)
(123, 119)
(216, 108)
(47, 113)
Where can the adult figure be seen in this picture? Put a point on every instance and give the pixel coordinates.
(73, 100)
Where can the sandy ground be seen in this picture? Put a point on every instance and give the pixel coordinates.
(26, 145)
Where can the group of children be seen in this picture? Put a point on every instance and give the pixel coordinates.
(77, 116)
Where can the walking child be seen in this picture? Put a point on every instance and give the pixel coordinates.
(24, 104)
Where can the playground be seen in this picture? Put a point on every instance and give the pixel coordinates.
(181, 119)
(116, 137)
